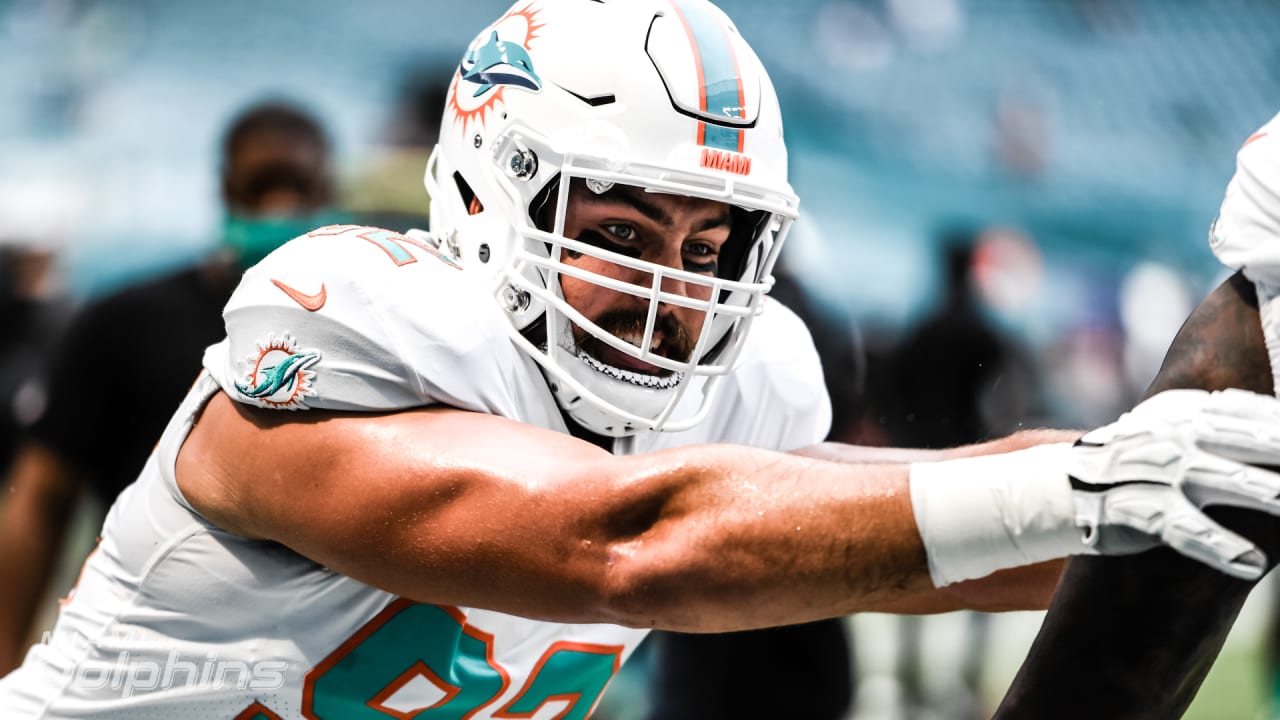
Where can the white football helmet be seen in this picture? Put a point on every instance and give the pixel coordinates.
(663, 95)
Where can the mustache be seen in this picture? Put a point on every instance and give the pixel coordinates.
(677, 342)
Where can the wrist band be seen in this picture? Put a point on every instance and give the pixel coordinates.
(982, 514)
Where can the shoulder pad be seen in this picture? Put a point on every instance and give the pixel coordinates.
(1246, 234)
(356, 318)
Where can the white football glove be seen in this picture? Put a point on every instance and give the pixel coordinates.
(1141, 481)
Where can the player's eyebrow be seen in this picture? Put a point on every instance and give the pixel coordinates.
(634, 198)
(724, 219)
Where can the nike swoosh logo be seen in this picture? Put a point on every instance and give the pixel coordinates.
(310, 302)
(1256, 136)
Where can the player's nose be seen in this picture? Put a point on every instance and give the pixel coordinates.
(671, 257)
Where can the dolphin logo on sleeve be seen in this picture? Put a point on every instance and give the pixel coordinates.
(279, 374)
(279, 377)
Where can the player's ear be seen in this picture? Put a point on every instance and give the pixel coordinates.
(475, 207)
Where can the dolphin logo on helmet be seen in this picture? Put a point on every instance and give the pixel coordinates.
(498, 62)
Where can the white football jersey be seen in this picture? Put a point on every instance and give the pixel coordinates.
(1246, 234)
(176, 618)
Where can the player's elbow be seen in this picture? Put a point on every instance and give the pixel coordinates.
(654, 562)
(631, 573)
(678, 576)
(644, 587)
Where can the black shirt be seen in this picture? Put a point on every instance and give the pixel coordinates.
(30, 331)
(125, 363)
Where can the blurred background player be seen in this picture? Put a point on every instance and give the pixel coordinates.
(143, 346)
(32, 311)
(983, 389)
(955, 379)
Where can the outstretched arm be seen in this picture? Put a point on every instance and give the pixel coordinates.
(454, 507)
(1133, 637)
(471, 509)
(462, 508)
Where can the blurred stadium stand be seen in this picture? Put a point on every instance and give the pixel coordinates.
(1130, 111)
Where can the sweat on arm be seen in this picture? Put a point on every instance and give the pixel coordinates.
(462, 508)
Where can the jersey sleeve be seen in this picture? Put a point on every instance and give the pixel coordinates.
(359, 318)
(1246, 234)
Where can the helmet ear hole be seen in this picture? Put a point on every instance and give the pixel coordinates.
(469, 199)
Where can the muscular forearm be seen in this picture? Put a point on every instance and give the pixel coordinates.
(536, 523)
(725, 519)
(700, 539)
(711, 559)
(1022, 588)
(460, 508)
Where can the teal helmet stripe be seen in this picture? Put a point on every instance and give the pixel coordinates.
(720, 93)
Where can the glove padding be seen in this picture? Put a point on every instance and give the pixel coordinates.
(1141, 481)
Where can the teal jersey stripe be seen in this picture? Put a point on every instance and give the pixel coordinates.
(721, 91)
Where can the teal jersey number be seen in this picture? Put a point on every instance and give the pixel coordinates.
(410, 640)
(566, 665)
(392, 243)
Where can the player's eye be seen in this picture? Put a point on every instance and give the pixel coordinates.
(622, 232)
(701, 257)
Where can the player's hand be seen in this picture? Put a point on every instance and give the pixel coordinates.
(1141, 481)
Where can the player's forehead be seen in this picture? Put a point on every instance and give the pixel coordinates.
(665, 209)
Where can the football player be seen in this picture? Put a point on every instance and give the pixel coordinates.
(1159, 622)
(462, 473)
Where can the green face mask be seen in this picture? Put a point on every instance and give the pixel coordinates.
(254, 238)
